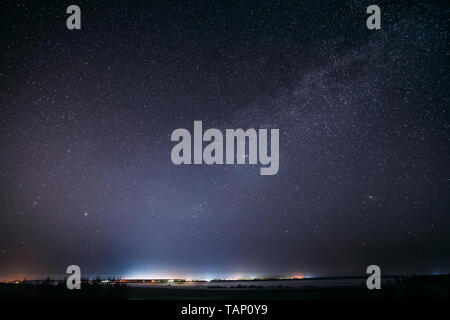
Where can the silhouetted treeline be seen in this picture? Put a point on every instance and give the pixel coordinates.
(412, 287)
(57, 290)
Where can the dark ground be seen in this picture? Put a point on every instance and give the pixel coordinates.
(415, 287)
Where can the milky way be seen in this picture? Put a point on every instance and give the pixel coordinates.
(86, 176)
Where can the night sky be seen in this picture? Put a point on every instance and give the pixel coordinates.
(86, 176)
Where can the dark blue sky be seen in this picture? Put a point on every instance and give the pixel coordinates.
(86, 116)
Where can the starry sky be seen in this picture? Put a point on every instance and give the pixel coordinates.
(86, 176)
